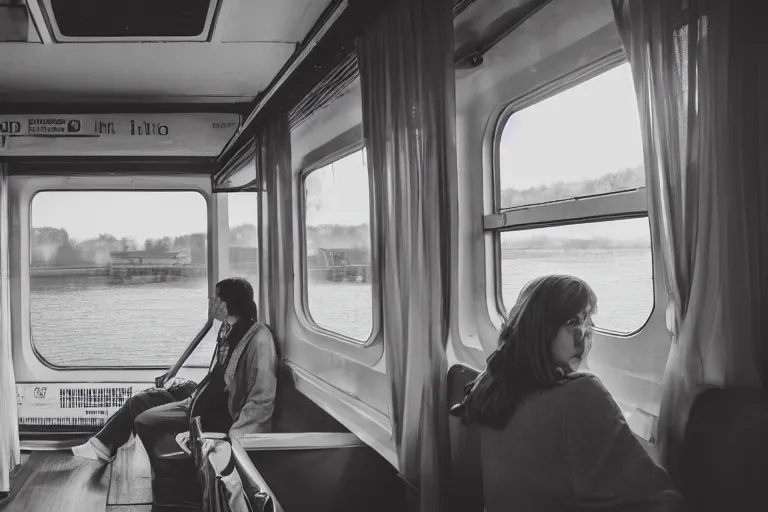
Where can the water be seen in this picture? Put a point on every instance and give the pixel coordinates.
(621, 278)
(92, 322)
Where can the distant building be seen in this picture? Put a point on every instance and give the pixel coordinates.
(149, 258)
(335, 257)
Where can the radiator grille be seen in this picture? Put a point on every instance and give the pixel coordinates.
(62, 422)
(90, 398)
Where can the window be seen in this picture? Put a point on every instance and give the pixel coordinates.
(243, 248)
(614, 257)
(338, 289)
(243, 218)
(117, 278)
(574, 163)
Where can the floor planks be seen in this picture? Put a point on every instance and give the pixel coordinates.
(131, 482)
(57, 482)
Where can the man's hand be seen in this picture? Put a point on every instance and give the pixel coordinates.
(171, 382)
(160, 381)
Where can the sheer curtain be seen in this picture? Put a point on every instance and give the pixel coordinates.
(407, 82)
(10, 455)
(699, 71)
(273, 164)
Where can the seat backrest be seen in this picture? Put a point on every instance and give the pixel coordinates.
(467, 484)
(295, 413)
(724, 459)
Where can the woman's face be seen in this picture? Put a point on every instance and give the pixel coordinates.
(573, 341)
(218, 308)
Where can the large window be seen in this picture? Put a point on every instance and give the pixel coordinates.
(574, 163)
(337, 234)
(117, 278)
(243, 215)
(242, 239)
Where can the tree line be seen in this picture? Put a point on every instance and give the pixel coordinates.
(55, 247)
(624, 179)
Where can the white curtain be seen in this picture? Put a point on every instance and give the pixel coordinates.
(273, 164)
(407, 81)
(10, 455)
(699, 69)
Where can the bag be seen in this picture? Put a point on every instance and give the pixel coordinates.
(223, 489)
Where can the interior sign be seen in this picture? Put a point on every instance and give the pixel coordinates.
(41, 397)
(10, 128)
(54, 126)
(183, 134)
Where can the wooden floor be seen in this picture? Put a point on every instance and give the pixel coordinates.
(59, 482)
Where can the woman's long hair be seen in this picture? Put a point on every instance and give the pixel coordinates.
(238, 294)
(523, 362)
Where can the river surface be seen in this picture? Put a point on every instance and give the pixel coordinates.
(90, 321)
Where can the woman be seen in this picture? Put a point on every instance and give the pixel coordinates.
(234, 306)
(236, 397)
(118, 428)
(553, 439)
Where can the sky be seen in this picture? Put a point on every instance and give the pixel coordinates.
(582, 133)
(137, 214)
(585, 132)
(338, 193)
(624, 230)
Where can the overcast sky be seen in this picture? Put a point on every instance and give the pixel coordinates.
(140, 215)
(585, 132)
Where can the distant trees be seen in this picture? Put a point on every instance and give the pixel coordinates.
(625, 179)
(335, 236)
(158, 246)
(539, 242)
(128, 244)
(54, 247)
(244, 235)
(51, 245)
(97, 250)
(194, 245)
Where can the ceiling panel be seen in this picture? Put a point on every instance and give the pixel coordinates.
(270, 20)
(94, 20)
(150, 72)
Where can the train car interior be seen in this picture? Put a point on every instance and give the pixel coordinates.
(388, 176)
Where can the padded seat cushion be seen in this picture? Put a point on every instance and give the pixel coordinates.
(724, 460)
(167, 448)
(467, 487)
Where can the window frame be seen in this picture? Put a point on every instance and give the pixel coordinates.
(306, 316)
(206, 35)
(210, 271)
(610, 206)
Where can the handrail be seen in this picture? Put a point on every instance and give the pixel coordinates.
(249, 473)
(160, 381)
(299, 441)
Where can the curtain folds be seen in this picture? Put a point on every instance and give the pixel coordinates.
(699, 74)
(240, 172)
(10, 454)
(407, 83)
(273, 164)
